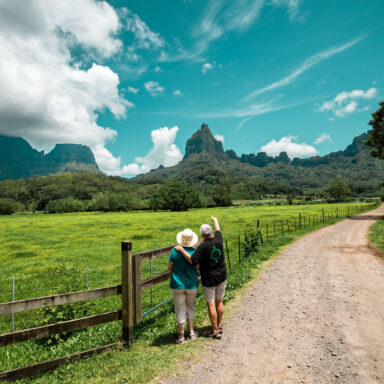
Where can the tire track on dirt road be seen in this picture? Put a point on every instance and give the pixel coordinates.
(315, 315)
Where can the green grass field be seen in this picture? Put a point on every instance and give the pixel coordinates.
(49, 254)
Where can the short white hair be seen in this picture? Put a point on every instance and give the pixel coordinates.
(206, 230)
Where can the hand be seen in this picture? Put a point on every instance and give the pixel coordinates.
(214, 219)
(178, 248)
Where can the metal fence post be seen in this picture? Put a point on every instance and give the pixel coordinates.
(127, 292)
(13, 299)
(86, 278)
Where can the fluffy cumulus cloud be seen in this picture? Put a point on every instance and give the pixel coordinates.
(206, 67)
(288, 144)
(133, 90)
(346, 103)
(47, 95)
(219, 137)
(153, 88)
(323, 138)
(163, 152)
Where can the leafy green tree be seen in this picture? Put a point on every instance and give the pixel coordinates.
(64, 206)
(175, 196)
(376, 134)
(222, 194)
(339, 190)
(9, 206)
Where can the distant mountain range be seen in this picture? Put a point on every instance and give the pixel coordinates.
(19, 160)
(205, 162)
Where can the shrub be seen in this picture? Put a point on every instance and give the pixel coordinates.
(111, 202)
(9, 206)
(175, 196)
(64, 206)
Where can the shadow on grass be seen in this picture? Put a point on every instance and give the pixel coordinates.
(170, 337)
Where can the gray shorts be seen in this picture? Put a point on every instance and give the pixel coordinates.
(214, 293)
(184, 300)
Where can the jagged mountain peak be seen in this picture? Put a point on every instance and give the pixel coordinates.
(203, 141)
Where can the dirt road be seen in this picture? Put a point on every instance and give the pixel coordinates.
(316, 315)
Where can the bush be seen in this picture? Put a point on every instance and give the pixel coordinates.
(175, 196)
(64, 206)
(9, 206)
(111, 202)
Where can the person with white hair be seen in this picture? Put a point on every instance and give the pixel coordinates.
(184, 283)
(209, 256)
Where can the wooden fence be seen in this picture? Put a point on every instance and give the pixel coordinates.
(130, 289)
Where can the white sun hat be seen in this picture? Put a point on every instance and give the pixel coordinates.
(187, 238)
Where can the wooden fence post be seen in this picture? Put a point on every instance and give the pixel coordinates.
(239, 249)
(127, 292)
(294, 223)
(282, 229)
(274, 229)
(323, 216)
(304, 221)
(267, 232)
(229, 259)
(288, 226)
(137, 287)
(300, 221)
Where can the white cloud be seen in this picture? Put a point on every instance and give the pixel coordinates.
(322, 138)
(345, 103)
(206, 67)
(307, 64)
(153, 88)
(157, 69)
(219, 137)
(133, 90)
(287, 144)
(144, 37)
(292, 5)
(46, 95)
(178, 93)
(164, 152)
(242, 122)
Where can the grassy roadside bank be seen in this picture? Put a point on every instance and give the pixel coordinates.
(154, 352)
(376, 235)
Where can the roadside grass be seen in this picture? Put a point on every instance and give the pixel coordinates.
(33, 247)
(376, 235)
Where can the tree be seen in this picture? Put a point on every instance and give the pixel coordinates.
(376, 134)
(175, 196)
(222, 194)
(339, 190)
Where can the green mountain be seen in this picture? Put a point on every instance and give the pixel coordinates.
(205, 164)
(19, 160)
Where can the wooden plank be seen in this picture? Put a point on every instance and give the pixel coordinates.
(155, 253)
(137, 287)
(53, 329)
(154, 280)
(49, 365)
(65, 298)
(126, 294)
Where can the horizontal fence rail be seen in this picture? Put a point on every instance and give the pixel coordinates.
(65, 298)
(58, 328)
(155, 253)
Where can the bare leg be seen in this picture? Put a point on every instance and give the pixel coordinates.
(219, 311)
(213, 316)
(190, 325)
(181, 327)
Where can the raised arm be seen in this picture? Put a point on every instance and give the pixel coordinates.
(217, 226)
(186, 255)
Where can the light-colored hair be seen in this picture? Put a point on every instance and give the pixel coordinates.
(206, 230)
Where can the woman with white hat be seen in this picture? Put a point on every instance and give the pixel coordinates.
(184, 284)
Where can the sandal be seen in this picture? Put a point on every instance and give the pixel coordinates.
(214, 335)
(180, 341)
(193, 336)
(221, 329)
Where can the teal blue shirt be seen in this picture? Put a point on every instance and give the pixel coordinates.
(183, 274)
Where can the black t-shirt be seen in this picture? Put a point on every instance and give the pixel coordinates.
(210, 256)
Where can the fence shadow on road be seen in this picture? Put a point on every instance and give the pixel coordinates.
(366, 217)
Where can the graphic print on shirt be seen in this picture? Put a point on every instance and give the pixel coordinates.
(215, 254)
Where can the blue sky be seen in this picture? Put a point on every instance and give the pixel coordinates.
(135, 79)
